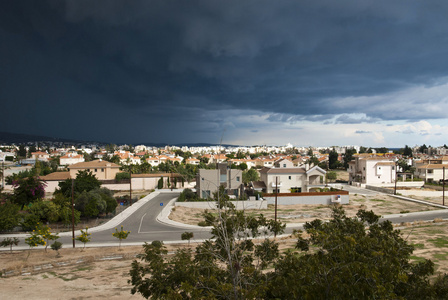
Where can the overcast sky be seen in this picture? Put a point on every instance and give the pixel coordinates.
(309, 73)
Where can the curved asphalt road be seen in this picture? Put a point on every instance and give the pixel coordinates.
(142, 219)
(145, 227)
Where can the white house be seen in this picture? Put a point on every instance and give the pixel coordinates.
(286, 179)
(372, 170)
(71, 159)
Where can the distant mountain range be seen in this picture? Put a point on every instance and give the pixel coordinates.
(20, 138)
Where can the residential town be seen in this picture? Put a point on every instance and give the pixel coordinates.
(365, 166)
(98, 187)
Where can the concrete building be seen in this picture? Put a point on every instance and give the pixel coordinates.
(71, 159)
(208, 181)
(287, 179)
(103, 170)
(372, 170)
(432, 172)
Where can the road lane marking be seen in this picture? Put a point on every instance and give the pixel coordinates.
(141, 221)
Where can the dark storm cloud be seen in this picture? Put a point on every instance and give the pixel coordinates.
(174, 61)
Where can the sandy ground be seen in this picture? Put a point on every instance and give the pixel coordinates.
(300, 213)
(101, 275)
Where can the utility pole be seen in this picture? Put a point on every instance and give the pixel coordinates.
(276, 193)
(73, 214)
(130, 185)
(3, 174)
(443, 184)
(395, 189)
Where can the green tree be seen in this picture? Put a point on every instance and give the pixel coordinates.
(64, 208)
(46, 211)
(84, 237)
(121, 235)
(363, 149)
(403, 164)
(242, 166)
(35, 239)
(160, 183)
(84, 181)
(110, 148)
(382, 150)
(91, 204)
(28, 190)
(9, 242)
(250, 175)
(313, 161)
(310, 152)
(348, 157)
(423, 148)
(31, 150)
(350, 262)
(9, 216)
(331, 176)
(47, 236)
(56, 246)
(333, 162)
(407, 151)
(21, 153)
(107, 196)
(187, 236)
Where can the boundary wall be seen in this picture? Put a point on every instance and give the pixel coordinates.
(324, 198)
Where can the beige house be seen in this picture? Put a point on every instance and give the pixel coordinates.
(103, 170)
(208, 181)
(432, 172)
(287, 179)
(371, 170)
(193, 161)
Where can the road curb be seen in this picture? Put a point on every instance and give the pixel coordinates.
(163, 218)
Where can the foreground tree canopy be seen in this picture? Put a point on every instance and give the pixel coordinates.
(339, 259)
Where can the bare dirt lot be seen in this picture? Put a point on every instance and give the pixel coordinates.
(381, 204)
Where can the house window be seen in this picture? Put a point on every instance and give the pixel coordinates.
(289, 177)
(284, 165)
(223, 178)
(430, 171)
(88, 170)
(364, 168)
(238, 178)
(96, 170)
(205, 194)
(275, 191)
(393, 168)
(102, 170)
